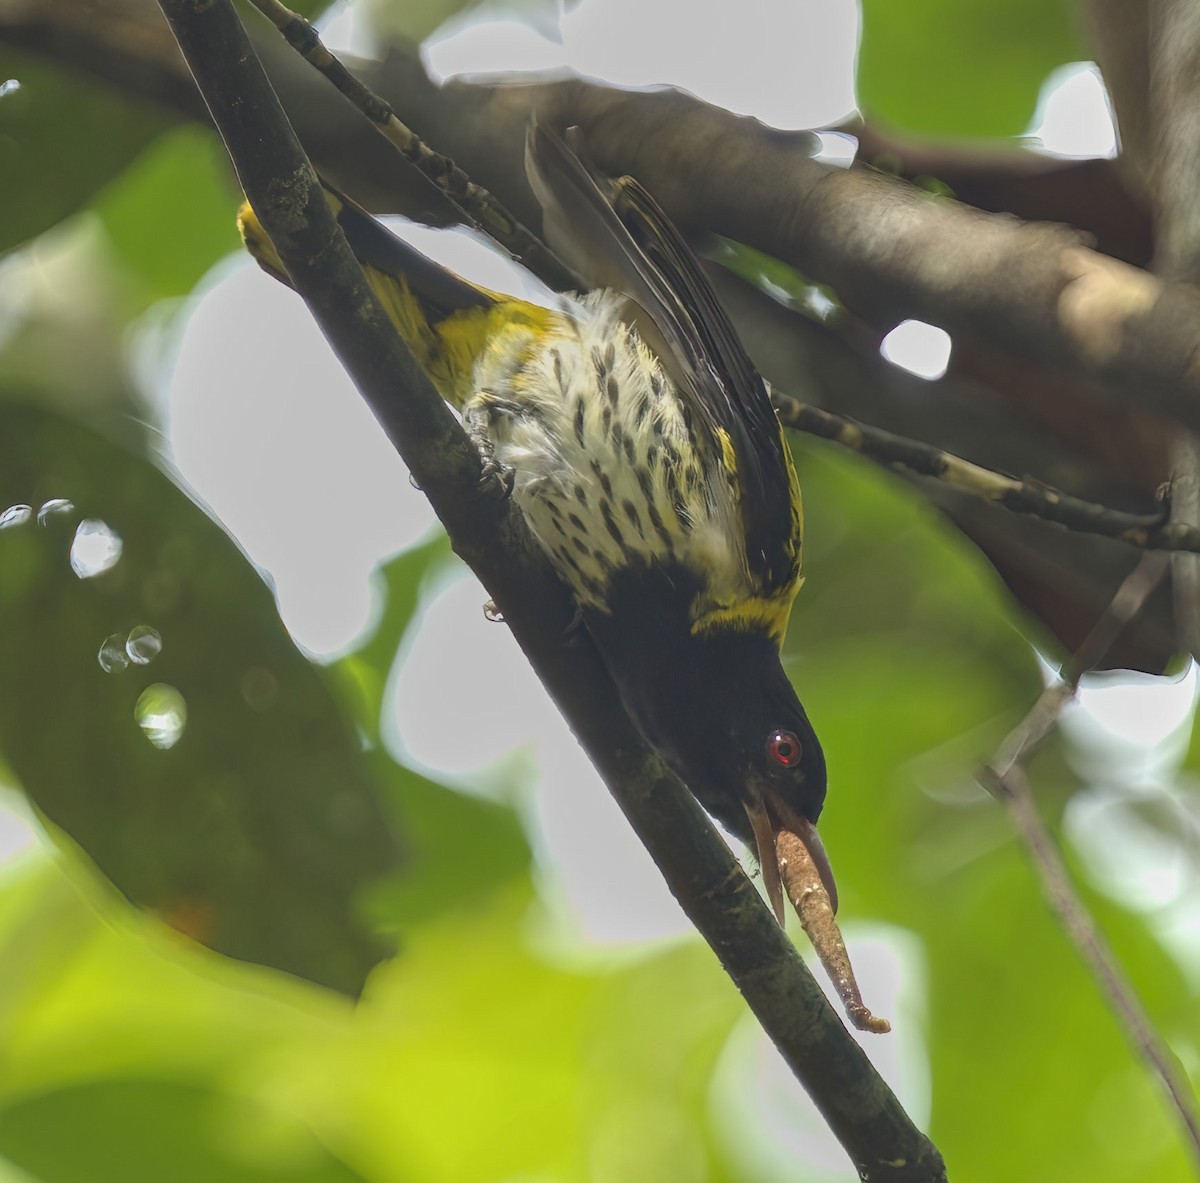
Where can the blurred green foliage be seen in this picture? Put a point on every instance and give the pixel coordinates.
(182, 179)
(282, 830)
(256, 829)
(941, 67)
(65, 137)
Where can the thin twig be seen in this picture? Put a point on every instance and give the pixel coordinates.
(1005, 778)
(1015, 791)
(477, 206)
(1145, 531)
(492, 537)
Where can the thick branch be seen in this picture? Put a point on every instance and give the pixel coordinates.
(491, 536)
(476, 205)
(890, 251)
(1174, 53)
(1009, 178)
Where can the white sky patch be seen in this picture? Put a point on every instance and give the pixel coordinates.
(791, 65)
(460, 700)
(1074, 117)
(470, 254)
(1127, 727)
(1178, 928)
(1138, 864)
(1136, 708)
(837, 148)
(471, 46)
(1134, 825)
(267, 428)
(920, 348)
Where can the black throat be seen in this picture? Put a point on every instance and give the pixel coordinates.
(705, 702)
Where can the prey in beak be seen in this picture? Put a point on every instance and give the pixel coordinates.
(769, 818)
(793, 861)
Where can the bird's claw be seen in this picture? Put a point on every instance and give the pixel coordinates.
(496, 479)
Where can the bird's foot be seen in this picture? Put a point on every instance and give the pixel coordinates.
(495, 477)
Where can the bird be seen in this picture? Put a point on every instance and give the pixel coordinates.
(641, 445)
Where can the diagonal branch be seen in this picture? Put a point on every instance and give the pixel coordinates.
(890, 250)
(1005, 778)
(490, 534)
(476, 205)
(1147, 531)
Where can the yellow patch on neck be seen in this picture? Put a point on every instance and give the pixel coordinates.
(758, 614)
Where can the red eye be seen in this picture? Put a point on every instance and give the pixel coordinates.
(784, 748)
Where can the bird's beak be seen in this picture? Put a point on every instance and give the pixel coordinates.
(768, 818)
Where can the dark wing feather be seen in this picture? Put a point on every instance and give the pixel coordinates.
(438, 289)
(621, 239)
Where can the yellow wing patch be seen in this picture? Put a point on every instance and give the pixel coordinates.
(446, 345)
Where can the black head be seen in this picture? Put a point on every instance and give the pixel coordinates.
(735, 730)
(721, 711)
(744, 746)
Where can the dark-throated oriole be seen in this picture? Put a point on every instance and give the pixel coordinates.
(648, 460)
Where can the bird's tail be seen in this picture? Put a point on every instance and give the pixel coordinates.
(446, 321)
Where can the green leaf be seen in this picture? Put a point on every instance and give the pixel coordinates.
(459, 848)
(257, 828)
(62, 137)
(942, 67)
(361, 676)
(171, 215)
(151, 1130)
